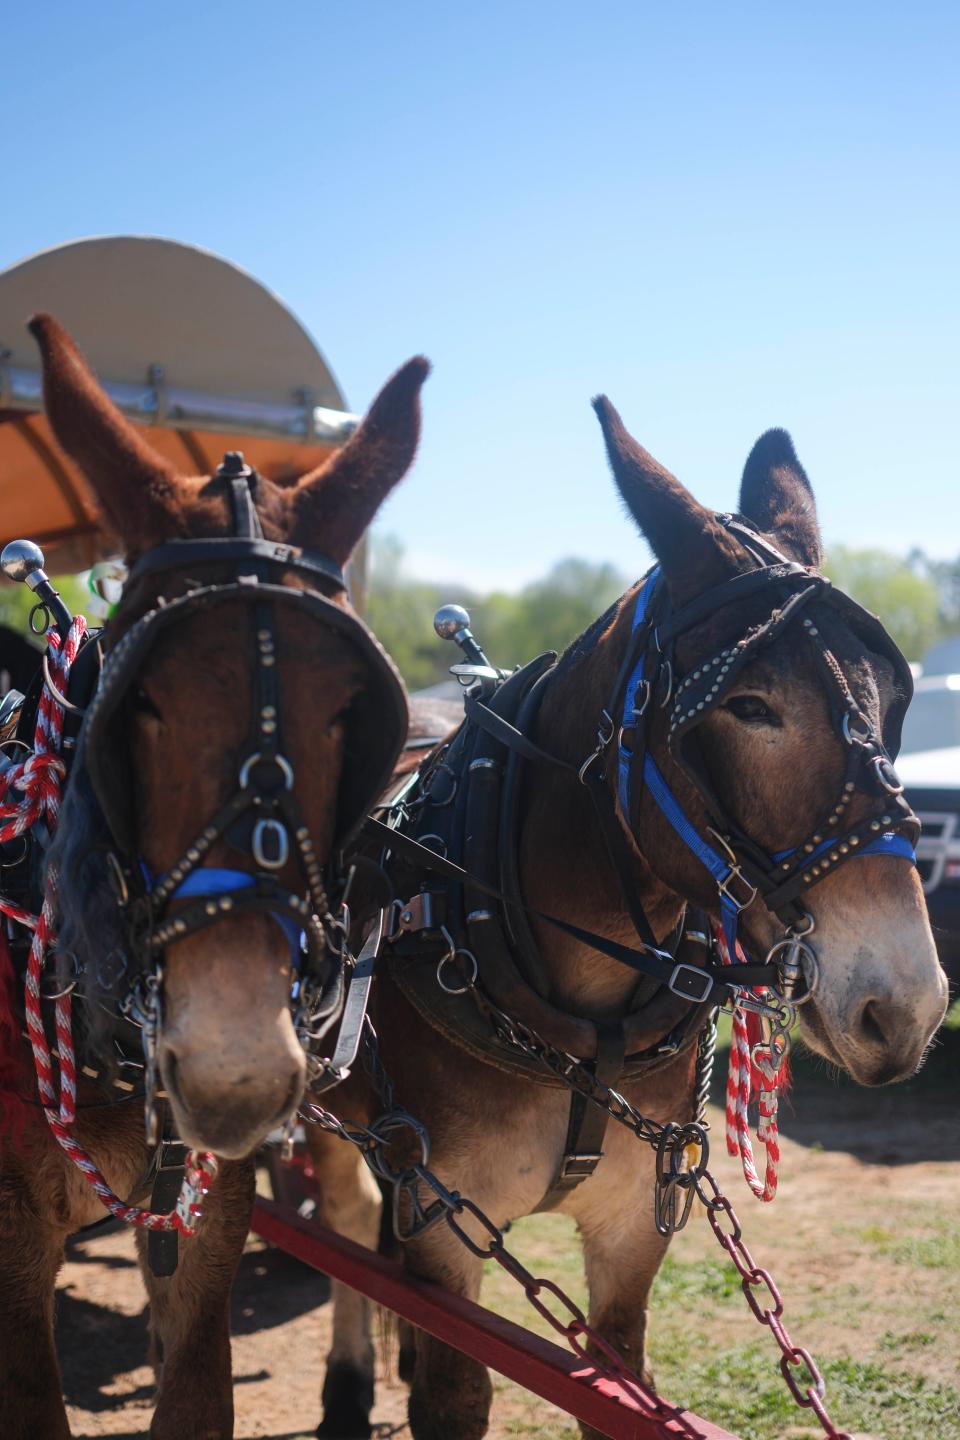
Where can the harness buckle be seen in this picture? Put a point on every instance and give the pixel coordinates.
(735, 873)
(580, 1166)
(690, 983)
(735, 900)
(862, 734)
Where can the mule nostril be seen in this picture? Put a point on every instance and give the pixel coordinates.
(875, 1024)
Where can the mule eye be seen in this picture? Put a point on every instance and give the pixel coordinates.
(143, 703)
(751, 708)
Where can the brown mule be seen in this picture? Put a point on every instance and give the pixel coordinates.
(773, 751)
(229, 1057)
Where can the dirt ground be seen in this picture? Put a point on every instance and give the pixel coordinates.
(864, 1240)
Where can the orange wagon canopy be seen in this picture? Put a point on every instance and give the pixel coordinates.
(185, 343)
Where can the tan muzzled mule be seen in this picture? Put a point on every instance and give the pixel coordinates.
(765, 716)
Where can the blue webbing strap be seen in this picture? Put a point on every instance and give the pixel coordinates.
(634, 683)
(213, 881)
(889, 843)
(719, 867)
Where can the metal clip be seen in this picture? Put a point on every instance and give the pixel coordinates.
(417, 913)
(604, 735)
(675, 1178)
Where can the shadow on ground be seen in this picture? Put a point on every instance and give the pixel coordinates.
(97, 1345)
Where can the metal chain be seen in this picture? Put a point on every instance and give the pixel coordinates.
(759, 1286)
(675, 1187)
(678, 1180)
(578, 1076)
(566, 1319)
(706, 1050)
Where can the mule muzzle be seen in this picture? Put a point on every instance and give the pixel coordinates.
(228, 1107)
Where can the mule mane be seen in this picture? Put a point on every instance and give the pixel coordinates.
(91, 939)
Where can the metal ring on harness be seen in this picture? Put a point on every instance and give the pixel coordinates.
(270, 857)
(863, 734)
(14, 741)
(8, 862)
(281, 762)
(450, 959)
(887, 776)
(69, 988)
(803, 956)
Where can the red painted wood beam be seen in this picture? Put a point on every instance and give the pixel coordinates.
(556, 1374)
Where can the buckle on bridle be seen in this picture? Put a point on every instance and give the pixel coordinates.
(735, 873)
(860, 736)
(736, 901)
(690, 983)
(886, 775)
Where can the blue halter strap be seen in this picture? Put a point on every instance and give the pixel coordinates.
(212, 881)
(724, 868)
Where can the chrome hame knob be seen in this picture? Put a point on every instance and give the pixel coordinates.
(449, 621)
(452, 622)
(22, 560)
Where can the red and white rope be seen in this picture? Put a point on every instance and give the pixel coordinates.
(743, 1076)
(31, 792)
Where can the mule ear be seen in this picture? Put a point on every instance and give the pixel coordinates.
(776, 495)
(692, 547)
(334, 504)
(136, 489)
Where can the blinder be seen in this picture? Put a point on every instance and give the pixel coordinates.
(792, 595)
(376, 724)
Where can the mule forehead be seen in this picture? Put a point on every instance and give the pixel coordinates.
(213, 650)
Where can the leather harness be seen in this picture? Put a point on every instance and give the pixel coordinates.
(262, 820)
(458, 819)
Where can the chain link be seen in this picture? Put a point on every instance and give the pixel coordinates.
(678, 1180)
(564, 1317)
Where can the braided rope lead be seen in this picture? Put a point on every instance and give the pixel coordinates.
(738, 1099)
(31, 792)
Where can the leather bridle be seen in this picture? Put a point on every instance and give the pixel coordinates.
(262, 820)
(649, 676)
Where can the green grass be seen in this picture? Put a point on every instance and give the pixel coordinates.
(742, 1390)
(740, 1387)
(937, 1251)
(678, 1282)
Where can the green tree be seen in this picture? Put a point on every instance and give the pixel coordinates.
(545, 615)
(945, 575)
(907, 602)
(17, 600)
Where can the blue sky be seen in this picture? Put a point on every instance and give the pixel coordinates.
(726, 216)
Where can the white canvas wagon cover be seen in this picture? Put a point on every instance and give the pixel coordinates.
(185, 343)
